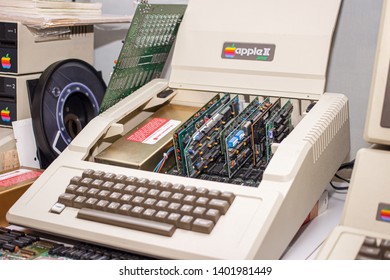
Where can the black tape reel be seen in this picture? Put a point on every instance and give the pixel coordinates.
(68, 95)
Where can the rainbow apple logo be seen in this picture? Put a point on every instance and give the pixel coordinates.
(5, 115)
(230, 52)
(6, 62)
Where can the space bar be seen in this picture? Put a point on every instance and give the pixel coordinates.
(126, 221)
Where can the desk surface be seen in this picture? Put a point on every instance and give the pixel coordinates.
(309, 239)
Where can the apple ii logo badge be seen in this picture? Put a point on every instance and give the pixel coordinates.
(248, 51)
(6, 62)
(5, 115)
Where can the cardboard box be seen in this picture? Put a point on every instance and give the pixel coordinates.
(12, 185)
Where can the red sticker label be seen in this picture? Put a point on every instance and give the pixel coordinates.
(153, 131)
(18, 176)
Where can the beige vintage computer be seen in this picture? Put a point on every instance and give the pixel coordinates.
(243, 50)
(364, 230)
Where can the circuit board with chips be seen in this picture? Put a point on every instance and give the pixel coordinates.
(231, 140)
(145, 50)
(24, 245)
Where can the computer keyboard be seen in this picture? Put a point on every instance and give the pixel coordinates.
(364, 229)
(143, 204)
(374, 249)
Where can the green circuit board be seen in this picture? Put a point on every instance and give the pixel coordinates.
(145, 50)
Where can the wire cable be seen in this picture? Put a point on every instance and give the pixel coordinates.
(161, 163)
(346, 165)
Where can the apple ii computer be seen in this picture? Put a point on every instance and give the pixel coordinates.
(222, 160)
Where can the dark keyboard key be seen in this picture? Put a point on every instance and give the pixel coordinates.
(79, 201)
(186, 222)
(66, 199)
(221, 205)
(213, 215)
(371, 252)
(386, 255)
(202, 225)
(75, 180)
(126, 221)
(370, 241)
(228, 196)
(71, 188)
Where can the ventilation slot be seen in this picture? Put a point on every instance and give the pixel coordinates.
(327, 127)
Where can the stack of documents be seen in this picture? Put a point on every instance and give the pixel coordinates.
(62, 7)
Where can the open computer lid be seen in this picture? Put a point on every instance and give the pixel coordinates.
(272, 47)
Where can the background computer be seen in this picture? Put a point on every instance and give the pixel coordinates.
(364, 231)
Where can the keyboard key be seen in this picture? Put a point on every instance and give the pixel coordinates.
(189, 199)
(164, 186)
(57, 208)
(142, 182)
(202, 201)
(138, 200)
(98, 174)
(92, 192)
(75, 180)
(173, 219)
(91, 202)
(213, 215)
(109, 176)
(113, 207)
(107, 185)
(219, 204)
(228, 196)
(88, 173)
(126, 221)
(161, 216)
(154, 183)
(153, 193)
(149, 213)
(201, 191)
(81, 190)
(177, 187)
(130, 180)
(125, 209)
(97, 183)
(174, 206)
(386, 255)
(177, 197)
(202, 225)
(79, 201)
(186, 222)
(66, 199)
(199, 211)
(115, 196)
(162, 204)
(120, 178)
(130, 189)
(213, 194)
(118, 187)
(71, 188)
(126, 198)
(87, 182)
(150, 202)
(385, 243)
(165, 195)
(189, 190)
(136, 211)
(102, 204)
(186, 209)
(103, 194)
(371, 252)
(370, 241)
